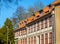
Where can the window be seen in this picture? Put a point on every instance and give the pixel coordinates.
(34, 27)
(46, 38)
(21, 41)
(42, 39)
(34, 39)
(18, 33)
(41, 12)
(15, 34)
(38, 26)
(29, 40)
(42, 24)
(46, 23)
(50, 21)
(29, 30)
(25, 41)
(21, 32)
(24, 32)
(50, 38)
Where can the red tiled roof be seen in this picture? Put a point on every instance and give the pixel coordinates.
(30, 19)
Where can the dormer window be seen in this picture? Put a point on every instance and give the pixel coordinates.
(33, 14)
(20, 23)
(41, 12)
(37, 14)
(46, 9)
(50, 6)
(25, 21)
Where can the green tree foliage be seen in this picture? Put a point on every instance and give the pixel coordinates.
(8, 23)
(4, 30)
(3, 34)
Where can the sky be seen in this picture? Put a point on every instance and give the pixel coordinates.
(7, 12)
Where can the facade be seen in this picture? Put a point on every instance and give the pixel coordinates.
(39, 28)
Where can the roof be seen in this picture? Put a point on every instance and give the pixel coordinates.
(44, 11)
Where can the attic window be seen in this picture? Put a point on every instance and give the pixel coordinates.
(33, 14)
(46, 11)
(38, 16)
(53, 9)
(41, 11)
(25, 21)
(20, 23)
(50, 5)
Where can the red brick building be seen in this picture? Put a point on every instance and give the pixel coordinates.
(37, 29)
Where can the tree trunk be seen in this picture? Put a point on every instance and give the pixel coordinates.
(10, 42)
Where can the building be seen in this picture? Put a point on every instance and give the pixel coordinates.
(41, 28)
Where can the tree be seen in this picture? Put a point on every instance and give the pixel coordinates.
(14, 22)
(31, 11)
(1, 38)
(20, 12)
(8, 23)
(38, 6)
(3, 34)
(19, 15)
(4, 30)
